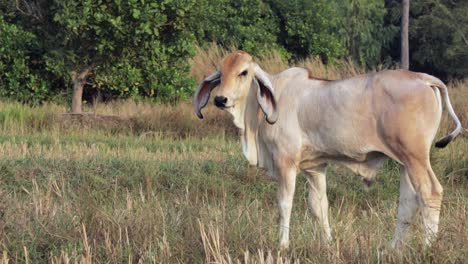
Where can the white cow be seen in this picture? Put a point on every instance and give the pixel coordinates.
(358, 122)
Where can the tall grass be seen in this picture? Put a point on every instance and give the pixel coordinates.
(207, 60)
(143, 183)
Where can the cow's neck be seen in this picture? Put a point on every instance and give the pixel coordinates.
(246, 119)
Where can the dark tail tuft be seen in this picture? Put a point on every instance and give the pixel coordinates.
(444, 141)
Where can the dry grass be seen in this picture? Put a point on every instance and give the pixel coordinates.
(129, 117)
(164, 187)
(174, 121)
(207, 60)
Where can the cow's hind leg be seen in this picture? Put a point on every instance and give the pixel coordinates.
(430, 199)
(287, 184)
(423, 187)
(407, 207)
(317, 199)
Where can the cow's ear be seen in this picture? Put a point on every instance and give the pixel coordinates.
(200, 99)
(265, 96)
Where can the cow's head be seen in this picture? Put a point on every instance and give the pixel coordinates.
(238, 75)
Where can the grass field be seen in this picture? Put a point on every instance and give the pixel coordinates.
(158, 185)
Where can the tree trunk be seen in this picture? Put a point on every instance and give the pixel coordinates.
(79, 81)
(404, 35)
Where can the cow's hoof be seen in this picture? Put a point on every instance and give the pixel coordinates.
(284, 246)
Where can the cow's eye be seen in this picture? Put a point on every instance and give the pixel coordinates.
(244, 73)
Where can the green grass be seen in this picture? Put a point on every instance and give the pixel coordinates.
(82, 193)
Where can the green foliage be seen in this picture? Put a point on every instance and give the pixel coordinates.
(132, 48)
(139, 48)
(18, 78)
(438, 36)
(136, 47)
(248, 24)
(363, 30)
(308, 28)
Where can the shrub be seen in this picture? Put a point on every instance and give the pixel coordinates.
(19, 77)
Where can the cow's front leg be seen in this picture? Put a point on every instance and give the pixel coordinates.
(317, 199)
(287, 184)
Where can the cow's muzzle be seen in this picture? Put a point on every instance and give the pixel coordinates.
(220, 101)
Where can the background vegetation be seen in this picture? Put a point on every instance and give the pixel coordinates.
(150, 183)
(119, 49)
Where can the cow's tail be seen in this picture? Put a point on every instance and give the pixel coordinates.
(436, 83)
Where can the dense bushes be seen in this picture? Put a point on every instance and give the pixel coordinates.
(438, 36)
(141, 48)
(309, 28)
(364, 32)
(18, 77)
(131, 48)
(250, 25)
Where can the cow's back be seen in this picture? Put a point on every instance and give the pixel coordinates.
(348, 116)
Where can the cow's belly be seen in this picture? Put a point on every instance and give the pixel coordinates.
(362, 162)
(339, 145)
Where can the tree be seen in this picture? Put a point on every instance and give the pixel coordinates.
(19, 77)
(249, 25)
(404, 35)
(438, 35)
(363, 30)
(132, 47)
(308, 28)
